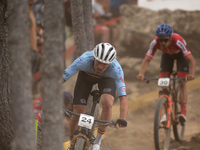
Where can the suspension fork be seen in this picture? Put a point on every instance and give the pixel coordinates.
(174, 101)
(169, 104)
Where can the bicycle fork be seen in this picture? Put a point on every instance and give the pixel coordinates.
(168, 113)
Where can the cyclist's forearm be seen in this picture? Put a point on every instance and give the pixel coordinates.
(192, 67)
(192, 64)
(144, 65)
(123, 107)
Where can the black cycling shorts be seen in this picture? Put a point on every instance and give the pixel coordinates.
(85, 83)
(167, 63)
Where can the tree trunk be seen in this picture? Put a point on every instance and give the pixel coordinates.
(87, 12)
(79, 26)
(6, 128)
(21, 78)
(83, 30)
(52, 69)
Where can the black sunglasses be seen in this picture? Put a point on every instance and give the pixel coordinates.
(164, 40)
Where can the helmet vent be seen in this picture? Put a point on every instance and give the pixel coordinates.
(102, 52)
(112, 57)
(97, 54)
(109, 51)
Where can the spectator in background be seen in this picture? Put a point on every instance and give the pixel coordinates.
(33, 38)
(114, 7)
(38, 10)
(37, 105)
(33, 27)
(67, 102)
(104, 31)
(99, 17)
(68, 17)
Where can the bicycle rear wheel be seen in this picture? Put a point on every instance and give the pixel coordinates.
(161, 133)
(80, 144)
(178, 129)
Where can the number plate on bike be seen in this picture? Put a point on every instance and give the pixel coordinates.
(163, 82)
(86, 121)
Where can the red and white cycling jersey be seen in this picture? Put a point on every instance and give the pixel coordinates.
(177, 44)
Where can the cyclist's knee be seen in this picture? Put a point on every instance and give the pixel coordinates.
(107, 101)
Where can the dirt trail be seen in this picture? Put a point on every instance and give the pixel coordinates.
(139, 133)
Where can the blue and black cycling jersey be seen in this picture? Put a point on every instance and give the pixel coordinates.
(85, 63)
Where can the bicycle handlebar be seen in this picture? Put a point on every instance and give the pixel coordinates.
(148, 79)
(106, 123)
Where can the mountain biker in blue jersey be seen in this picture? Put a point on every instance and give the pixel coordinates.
(98, 66)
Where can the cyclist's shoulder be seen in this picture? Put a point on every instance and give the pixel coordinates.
(115, 68)
(85, 57)
(154, 42)
(176, 37)
(115, 64)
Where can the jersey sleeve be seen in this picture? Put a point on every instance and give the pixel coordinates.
(152, 49)
(119, 81)
(74, 68)
(182, 45)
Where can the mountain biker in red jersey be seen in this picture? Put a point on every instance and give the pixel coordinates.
(174, 48)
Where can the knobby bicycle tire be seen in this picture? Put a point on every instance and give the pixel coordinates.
(96, 115)
(161, 134)
(80, 144)
(178, 129)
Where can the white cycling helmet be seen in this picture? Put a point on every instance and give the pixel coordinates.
(105, 53)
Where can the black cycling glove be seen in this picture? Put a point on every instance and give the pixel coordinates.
(122, 122)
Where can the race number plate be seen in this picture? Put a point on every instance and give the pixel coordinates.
(86, 121)
(163, 82)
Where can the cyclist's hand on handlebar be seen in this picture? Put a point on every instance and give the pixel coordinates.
(189, 77)
(140, 77)
(121, 123)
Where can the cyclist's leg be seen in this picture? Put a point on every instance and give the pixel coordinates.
(166, 65)
(106, 102)
(107, 89)
(182, 71)
(81, 93)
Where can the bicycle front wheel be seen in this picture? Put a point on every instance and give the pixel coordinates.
(80, 144)
(161, 133)
(178, 129)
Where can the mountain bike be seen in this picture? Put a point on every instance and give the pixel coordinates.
(84, 137)
(167, 112)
